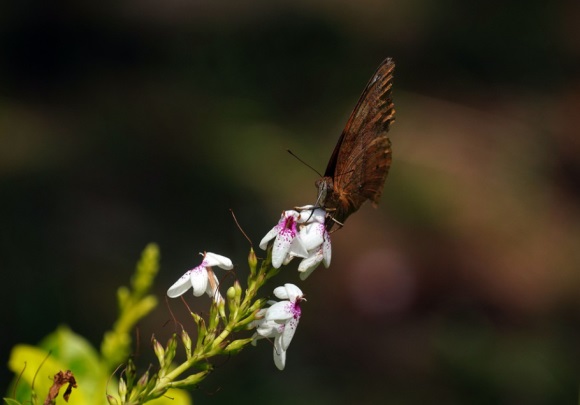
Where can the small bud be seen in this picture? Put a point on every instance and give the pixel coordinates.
(231, 293)
(201, 328)
(232, 305)
(171, 349)
(252, 262)
(214, 317)
(191, 380)
(186, 343)
(159, 351)
(130, 372)
(122, 389)
(221, 305)
(257, 305)
(197, 319)
(152, 382)
(238, 288)
(131, 368)
(112, 400)
(248, 322)
(142, 383)
(237, 345)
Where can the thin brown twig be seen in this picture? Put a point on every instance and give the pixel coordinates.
(240, 228)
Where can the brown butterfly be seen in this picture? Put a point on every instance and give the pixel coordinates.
(360, 162)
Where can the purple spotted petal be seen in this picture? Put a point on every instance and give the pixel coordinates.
(199, 280)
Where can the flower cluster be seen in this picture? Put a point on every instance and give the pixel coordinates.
(300, 234)
(279, 321)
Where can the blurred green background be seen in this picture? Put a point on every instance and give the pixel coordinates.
(128, 122)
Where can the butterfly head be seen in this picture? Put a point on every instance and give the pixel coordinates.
(324, 186)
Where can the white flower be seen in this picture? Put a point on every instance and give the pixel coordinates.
(201, 278)
(300, 234)
(322, 253)
(315, 239)
(286, 244)
(280, 320)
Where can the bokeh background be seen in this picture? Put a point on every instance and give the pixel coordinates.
(123, 123)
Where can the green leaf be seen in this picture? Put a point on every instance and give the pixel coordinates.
(68, 351)
(80, 357)
(27, 360)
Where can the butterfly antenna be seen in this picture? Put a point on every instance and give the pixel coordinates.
(303, 162)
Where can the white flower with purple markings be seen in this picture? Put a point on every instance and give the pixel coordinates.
(202, 279)
(300, 234)
(280, 320)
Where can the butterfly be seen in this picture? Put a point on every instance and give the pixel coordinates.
(360, 162)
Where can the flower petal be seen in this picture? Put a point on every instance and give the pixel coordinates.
(270, 329)
(255, 338)
(281, 292)
(291, 291)
(308, 265)
(285, 233)
(280, 311)
(287, 260)
(212, 288)
(326, 251)
(282, 247)
(180, 286)
(319, 215)
(279, 355)
(212, 259)
(199, 280)
(297, 248)
(269, 236)
(306, 213)
(312, 235)
(310, 214)
(304, 275)
(288, 333)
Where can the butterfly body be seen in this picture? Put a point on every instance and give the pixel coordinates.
(360, 162)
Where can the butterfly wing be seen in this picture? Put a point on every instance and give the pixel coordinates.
(361, 159)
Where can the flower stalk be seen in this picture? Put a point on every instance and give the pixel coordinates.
(213, 335)
(299, 233)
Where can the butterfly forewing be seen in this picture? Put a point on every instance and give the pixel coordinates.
(361, 159)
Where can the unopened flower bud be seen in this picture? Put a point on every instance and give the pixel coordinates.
(231, 294)
(221, 305)
(171, 349)
(237, 345)
(112, 400)
(142, 383)
(257, 305)
(159, 351)
(252, 261)
(130, 371)
(186, 343)
(238, 288)
(191, 380)
(122, 389)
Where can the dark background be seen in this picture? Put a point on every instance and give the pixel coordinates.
(128, 122)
